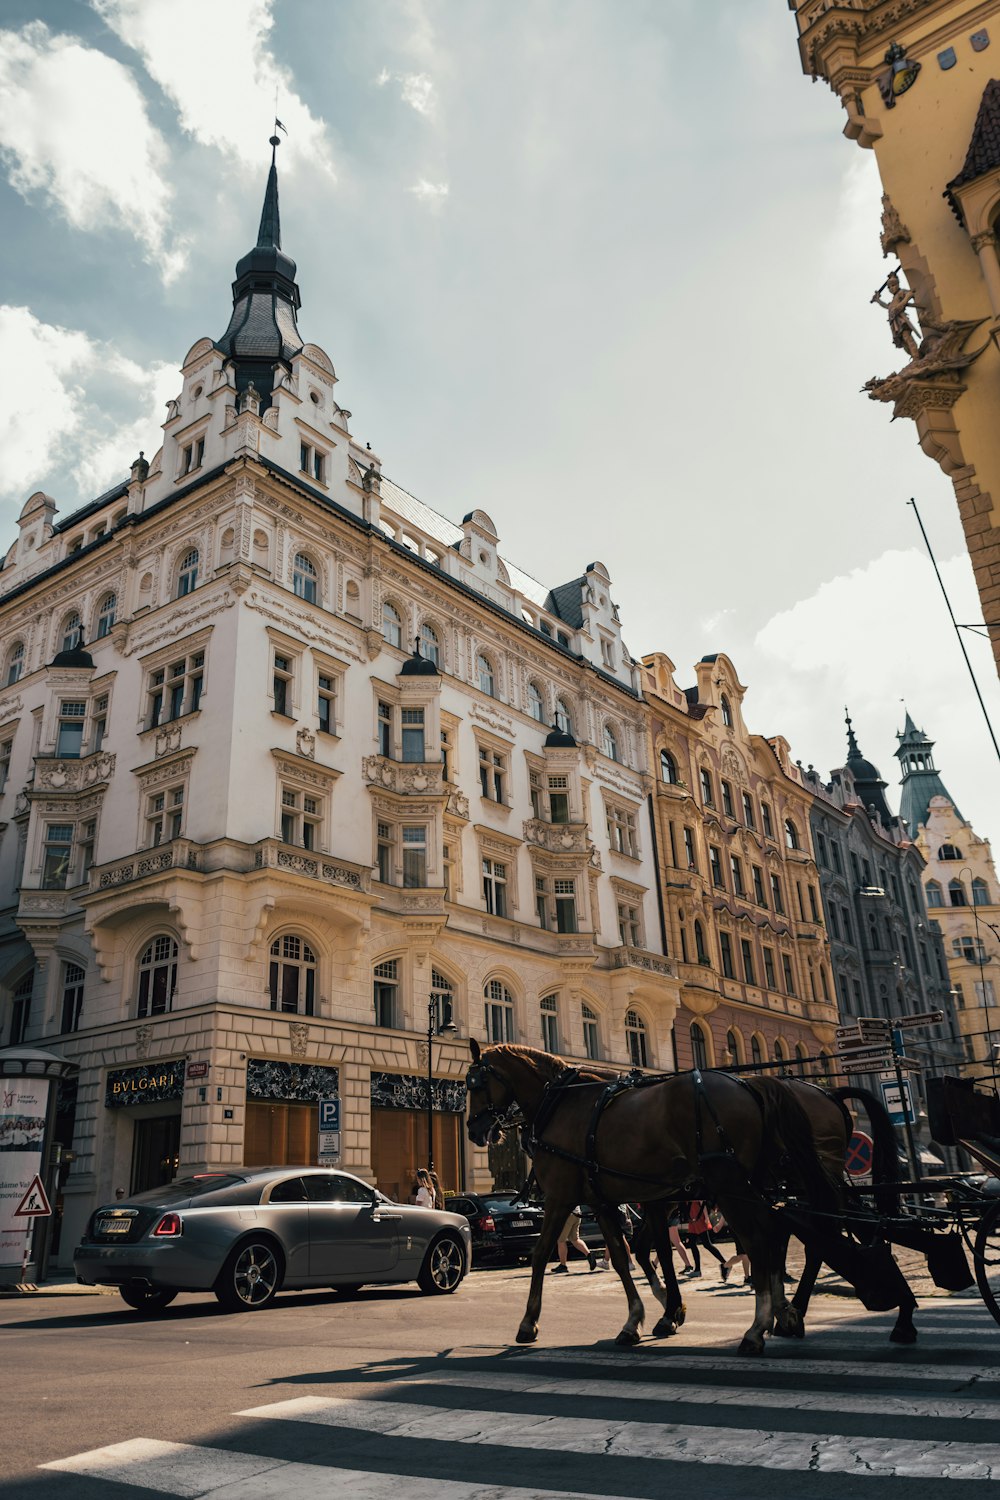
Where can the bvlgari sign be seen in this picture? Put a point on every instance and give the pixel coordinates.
(149, 1083)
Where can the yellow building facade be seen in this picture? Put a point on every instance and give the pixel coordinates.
(918, 85)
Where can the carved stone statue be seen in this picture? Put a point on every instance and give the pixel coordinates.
(904, 335)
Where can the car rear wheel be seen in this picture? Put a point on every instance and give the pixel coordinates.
(443, 1267)
(250, 1278)
(146, 1298)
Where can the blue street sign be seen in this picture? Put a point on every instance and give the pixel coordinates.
(899, 1106)
(329, 1114)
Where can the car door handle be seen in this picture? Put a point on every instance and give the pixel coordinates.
(387, 1218)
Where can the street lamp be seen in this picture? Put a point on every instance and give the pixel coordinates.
(445, 1027)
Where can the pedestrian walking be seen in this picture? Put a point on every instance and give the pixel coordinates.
(699, 1231)
(676, 1243)
(627, 1229)
(423, 1191)
(570, 1235)
(738, 1257)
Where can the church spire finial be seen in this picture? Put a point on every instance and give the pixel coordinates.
(269, 233)
(853, 753)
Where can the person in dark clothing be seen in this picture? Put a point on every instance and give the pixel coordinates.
(699, 1236)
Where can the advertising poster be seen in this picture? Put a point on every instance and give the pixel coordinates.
(23, 1104)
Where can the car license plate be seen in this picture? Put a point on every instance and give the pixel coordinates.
(520, 1223)
(114, 1226)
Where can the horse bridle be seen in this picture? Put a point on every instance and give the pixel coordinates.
(499, 1118)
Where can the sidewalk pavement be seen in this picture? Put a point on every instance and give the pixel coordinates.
(52, 1289)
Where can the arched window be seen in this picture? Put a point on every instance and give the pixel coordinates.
(980, 892)
(305, 579)
(392, 625)
(956, 893)
(292, 976)
(699, 1052)
(610, 743)
(779, 1051)
(933, 892)
(668, 768)
(72, 632)
(733, 1048)
(498, 1005)
(635, 1039)
(727, 712)
(106, 615)
(385, 992)
(187, 574)
(791, 835)
(949, 851)
(563, 717)
(15, 664)
(549, 1008)
(157, 977)
(442, 999)
(484, 674)
(536, 703)
(591, 1032)
(701, 951)
(429, 643)
(800, 1056)
(755, 1052)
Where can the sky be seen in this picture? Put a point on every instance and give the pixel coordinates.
(602, 270)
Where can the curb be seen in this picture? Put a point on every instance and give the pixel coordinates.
(52, 1289)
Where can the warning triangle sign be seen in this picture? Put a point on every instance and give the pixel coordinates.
(35, 1203)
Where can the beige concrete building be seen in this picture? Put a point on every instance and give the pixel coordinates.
(739, 882)
(918, 83)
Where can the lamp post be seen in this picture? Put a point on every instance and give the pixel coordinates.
(435, 1027)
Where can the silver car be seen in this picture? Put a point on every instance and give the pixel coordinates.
(246, 1235)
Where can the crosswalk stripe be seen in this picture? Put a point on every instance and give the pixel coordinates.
(733, 1447)
(944, 1407)
(200, 1473)
(673, 1357)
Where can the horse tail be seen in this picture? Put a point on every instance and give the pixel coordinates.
(885, 1156)
(788, 1126)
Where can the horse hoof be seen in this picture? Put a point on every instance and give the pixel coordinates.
(783, 1331)
(748, 1346)
(627, 1338)
(903, 1336)
(788, 1324)
(526, 1335)
(665, 1328)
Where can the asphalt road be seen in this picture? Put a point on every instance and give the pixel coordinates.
(398, 1396)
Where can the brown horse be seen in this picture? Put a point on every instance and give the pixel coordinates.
(653, 1141)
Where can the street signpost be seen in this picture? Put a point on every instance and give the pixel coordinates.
(34, 1205)
(860, 1151)
(925, 1018)
(328, 1152)
(898, 1099)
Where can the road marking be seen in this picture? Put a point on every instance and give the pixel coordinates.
(675, 1358)
(947, 1407)
(734, 1447)
(200, 1473)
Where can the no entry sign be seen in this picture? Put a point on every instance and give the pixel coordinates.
(858, 1157)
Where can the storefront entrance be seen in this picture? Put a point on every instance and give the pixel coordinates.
(399, 1147)
(156, 1147)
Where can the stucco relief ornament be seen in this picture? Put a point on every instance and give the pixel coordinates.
(894, 231)
(143, 1035)
(299, 1034)
(305, 743)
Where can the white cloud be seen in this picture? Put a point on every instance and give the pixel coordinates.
(213, 62)
(74, 128)
(431, 193)
(63, 392)
(415, 89)
(872, 640)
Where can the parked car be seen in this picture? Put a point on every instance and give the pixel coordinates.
(504, 1227)
(246, 1235)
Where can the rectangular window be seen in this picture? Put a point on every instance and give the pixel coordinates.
(164, 816)
(846, 919)
(305, 456)
(834, 921)
(6, 750)
(726, 949)
(58, 854)
(786, 969)
(283, 685)
(384, 846)
(385, 991)
(550, 1024)
(705, 777)
(776, 897)
(798, 894)
(765, 819)
(692, 863)
(558, 799)
(821, 847)
(985, 993)
(448, 867)
(837, 861)
(629, 928)
(727, 799)
(746, 954)
(446, 754)
(415, 855)
(326, 703)
(535, 792)
(385, 730)
(565, 894)
(542, 902)
(412, 734)
(758, 885)
(813, 908)
(495, 887)
(492, 773)
(301, 818)
(748, 816)
(770, 978)
(99, 724)
(69, 741)
(591, 1038)
(88, 838)
(715, 864)
(736, 865)
(622, 830)
(175, 690)
(72, 996)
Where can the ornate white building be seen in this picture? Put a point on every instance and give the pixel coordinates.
(254, 844)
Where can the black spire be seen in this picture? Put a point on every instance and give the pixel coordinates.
(868, 781)
(853, 753)
(262, 331)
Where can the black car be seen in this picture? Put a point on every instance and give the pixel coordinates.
(504, 1228)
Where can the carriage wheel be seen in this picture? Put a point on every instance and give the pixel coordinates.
(986, 1259)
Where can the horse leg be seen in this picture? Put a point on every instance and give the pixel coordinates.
(642, 1249)
(556, 1213)
(788, 1316)
(674, 1311)
(615, 1242)
(903, 1331)
(751, 1221)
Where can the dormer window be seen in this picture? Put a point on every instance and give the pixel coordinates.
(562, 639)
(608, 653)
(312, 462)
(192, 456)
(727, 712)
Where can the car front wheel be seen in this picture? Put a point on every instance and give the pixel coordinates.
(250, 1278)
(443, 1267)
(146, 1298)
